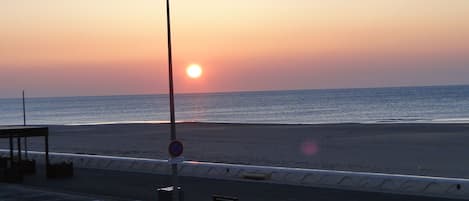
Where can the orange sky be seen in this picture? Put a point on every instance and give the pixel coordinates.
(89, 47)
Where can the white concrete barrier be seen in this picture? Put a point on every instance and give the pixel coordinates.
(360, 181)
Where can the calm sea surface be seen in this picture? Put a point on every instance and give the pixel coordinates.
(409, 104)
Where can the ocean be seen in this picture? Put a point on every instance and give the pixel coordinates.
(437, 104)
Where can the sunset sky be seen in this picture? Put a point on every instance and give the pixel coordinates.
(107, 47)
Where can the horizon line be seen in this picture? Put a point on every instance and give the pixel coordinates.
(245, 91)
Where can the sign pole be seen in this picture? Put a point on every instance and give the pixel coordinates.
(174, 167)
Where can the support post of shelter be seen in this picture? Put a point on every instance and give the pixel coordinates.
(46, 138)
(18, 142)
(11, 149)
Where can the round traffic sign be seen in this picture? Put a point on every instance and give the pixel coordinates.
(175, 148)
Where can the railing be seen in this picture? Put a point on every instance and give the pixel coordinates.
(360, 181)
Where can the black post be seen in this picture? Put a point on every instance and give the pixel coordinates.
(24, 111)
(46, 141)
(11, 150)
(24, 124)
(19, 149)
(174, 167)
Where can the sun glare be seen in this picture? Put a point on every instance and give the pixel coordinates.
(194, 71)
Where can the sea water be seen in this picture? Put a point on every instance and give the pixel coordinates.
(374, 105)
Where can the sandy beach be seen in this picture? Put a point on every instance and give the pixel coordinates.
(420, 149)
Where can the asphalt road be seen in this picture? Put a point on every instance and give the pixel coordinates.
(115, 185)
(12, 192)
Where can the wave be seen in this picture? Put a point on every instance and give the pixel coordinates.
(120, 122)
(452, 120)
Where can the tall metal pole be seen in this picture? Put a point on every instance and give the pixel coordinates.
(174, 167)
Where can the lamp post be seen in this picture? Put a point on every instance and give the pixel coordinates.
(174, 167)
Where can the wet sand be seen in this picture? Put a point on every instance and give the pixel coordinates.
(419, 149)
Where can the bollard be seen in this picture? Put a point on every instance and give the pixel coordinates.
(166, 194)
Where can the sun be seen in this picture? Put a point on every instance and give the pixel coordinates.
(194, 71)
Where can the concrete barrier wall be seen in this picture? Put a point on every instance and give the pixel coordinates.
(360, 181)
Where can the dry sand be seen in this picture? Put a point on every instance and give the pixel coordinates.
(421, 149)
